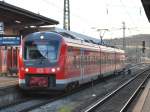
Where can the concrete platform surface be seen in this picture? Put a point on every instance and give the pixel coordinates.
(8, 81)
(143, 103)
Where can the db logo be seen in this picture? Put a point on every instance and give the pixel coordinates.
(39, 70)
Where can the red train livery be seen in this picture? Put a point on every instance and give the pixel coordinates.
(59, 60)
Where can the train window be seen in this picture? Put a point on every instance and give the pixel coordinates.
(75, 61)
(85, 61)
(69, 49)
(93, 42)
(95, 59)
(86, 41)
(104, 59)
(98, 60)
(41, 50)
(92, 59)
(67, 35)
(82, 60)
(89, 60)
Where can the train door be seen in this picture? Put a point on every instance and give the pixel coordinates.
(82, 64)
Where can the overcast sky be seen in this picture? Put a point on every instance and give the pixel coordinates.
(89, 14)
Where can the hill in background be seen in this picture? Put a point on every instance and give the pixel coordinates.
(134, 46)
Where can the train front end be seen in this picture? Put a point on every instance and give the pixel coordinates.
(41, 60)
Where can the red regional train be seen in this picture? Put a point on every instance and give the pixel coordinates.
(60, 60)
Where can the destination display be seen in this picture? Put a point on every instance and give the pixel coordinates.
(10, 40)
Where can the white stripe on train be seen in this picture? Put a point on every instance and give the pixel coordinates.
(81, 79)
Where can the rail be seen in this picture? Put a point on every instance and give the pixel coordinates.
(100, 102)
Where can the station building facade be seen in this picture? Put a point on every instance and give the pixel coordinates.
(17, 22)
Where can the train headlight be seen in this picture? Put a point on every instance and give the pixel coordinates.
(41, 37)
(53, 69)
(27, 70)
(58, 69)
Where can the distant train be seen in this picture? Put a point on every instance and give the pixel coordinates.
(62, 60)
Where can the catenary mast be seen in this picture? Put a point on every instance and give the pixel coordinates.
(66, 21)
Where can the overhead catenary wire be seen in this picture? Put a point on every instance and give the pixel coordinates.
(60, 10)
(127, 12)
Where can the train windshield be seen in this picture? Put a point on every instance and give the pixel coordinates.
(41, 50)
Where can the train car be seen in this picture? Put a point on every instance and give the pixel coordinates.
(62, 60)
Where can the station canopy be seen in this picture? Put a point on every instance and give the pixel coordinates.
(14, 16)
(146, 5)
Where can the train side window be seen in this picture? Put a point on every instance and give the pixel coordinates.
(85, 60)
(94, 60)
(99, 60)
(104, 59)
(81, 60)
(78, 61)
(67, 35)
(108, 59)
(70, 49)
(89, 60)
(74, 61)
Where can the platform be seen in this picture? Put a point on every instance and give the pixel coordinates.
(8, 81)
(143, 104)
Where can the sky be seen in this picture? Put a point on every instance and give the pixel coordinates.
(87, 16)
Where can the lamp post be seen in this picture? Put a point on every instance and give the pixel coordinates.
(102, 32)
(101, 38)
(124, 41)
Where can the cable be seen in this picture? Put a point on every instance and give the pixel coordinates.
(73, 15)
(132, 21)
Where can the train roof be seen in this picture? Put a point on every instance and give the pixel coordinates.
(80, 40)
(86, 39)
(74, 35)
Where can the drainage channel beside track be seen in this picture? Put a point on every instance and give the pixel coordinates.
(119, 99)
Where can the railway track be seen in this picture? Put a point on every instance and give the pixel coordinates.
(32, 102)
(27, 104)
(120, 99)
